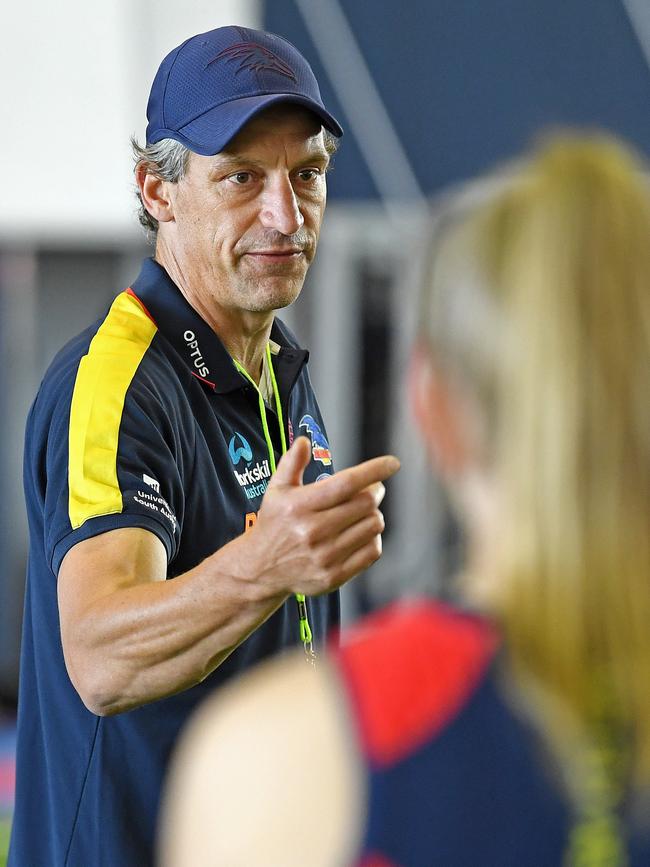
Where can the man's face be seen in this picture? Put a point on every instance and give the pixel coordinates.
(246, 221)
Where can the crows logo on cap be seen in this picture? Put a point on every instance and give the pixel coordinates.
(256, 58)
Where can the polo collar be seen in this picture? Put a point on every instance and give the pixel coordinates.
(192, 338)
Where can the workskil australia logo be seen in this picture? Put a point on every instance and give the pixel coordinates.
(254, 479)
(239, 449)
(319, 446)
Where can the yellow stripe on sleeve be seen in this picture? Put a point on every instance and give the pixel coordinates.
(103, 378)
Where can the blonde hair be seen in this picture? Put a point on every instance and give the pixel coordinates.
(540, 300)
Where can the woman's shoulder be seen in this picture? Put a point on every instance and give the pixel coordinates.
(410, 668)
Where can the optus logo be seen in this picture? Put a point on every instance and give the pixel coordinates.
(239, 448)
(195, 353)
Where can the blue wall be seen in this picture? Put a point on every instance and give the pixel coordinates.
(469, 82)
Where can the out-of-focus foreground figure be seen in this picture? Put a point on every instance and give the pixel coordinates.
(521, 735)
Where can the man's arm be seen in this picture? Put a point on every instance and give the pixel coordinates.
(130, 637)
(267, 775)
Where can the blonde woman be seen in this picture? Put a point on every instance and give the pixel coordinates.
(518, 737)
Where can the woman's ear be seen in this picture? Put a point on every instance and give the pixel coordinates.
(439, 413)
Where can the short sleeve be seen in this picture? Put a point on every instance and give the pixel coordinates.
(116, 453)
(138, 483)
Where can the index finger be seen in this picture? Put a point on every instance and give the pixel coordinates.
(342, 486)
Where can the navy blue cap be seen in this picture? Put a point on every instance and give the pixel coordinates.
(210, 86)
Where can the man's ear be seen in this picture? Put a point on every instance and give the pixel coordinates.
(439, 413)
(155, 194)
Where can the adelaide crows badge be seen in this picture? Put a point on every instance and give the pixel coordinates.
(319, 446)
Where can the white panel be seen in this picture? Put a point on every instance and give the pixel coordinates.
(76, 76)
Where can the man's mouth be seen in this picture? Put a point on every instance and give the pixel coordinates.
(280, 252)
(286, 254)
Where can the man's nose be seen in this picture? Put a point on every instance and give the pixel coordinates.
(280, 209)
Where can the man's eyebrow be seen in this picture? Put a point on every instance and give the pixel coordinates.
(227, 162)
(316, 153)
(231, 162)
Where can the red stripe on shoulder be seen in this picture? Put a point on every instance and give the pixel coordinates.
(130, 292)
(409, 670)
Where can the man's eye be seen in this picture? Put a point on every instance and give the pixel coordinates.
(308, 174)
(240, 178)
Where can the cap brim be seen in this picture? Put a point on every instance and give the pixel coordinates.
(210, 133)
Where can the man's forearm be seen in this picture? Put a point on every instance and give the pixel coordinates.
(144, 642)
(130, 637)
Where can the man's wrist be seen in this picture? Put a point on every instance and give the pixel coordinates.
(244, 562)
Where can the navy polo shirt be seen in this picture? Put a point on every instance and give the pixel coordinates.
(140, 421)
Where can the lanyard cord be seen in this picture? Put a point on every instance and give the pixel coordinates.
(305, 629)
(597, 838)
(595, 764)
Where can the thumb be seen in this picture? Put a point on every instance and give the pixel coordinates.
(293, 464)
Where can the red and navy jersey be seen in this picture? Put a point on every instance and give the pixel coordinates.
(455, 777)
(141, 421)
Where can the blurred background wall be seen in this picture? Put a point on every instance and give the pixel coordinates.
(430, 92)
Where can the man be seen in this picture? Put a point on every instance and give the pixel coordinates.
(150, 451)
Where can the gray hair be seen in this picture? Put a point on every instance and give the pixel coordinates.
(167, 160)
(331, 142)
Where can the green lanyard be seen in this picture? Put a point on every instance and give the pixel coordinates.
(597, 838)
(305, 629)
